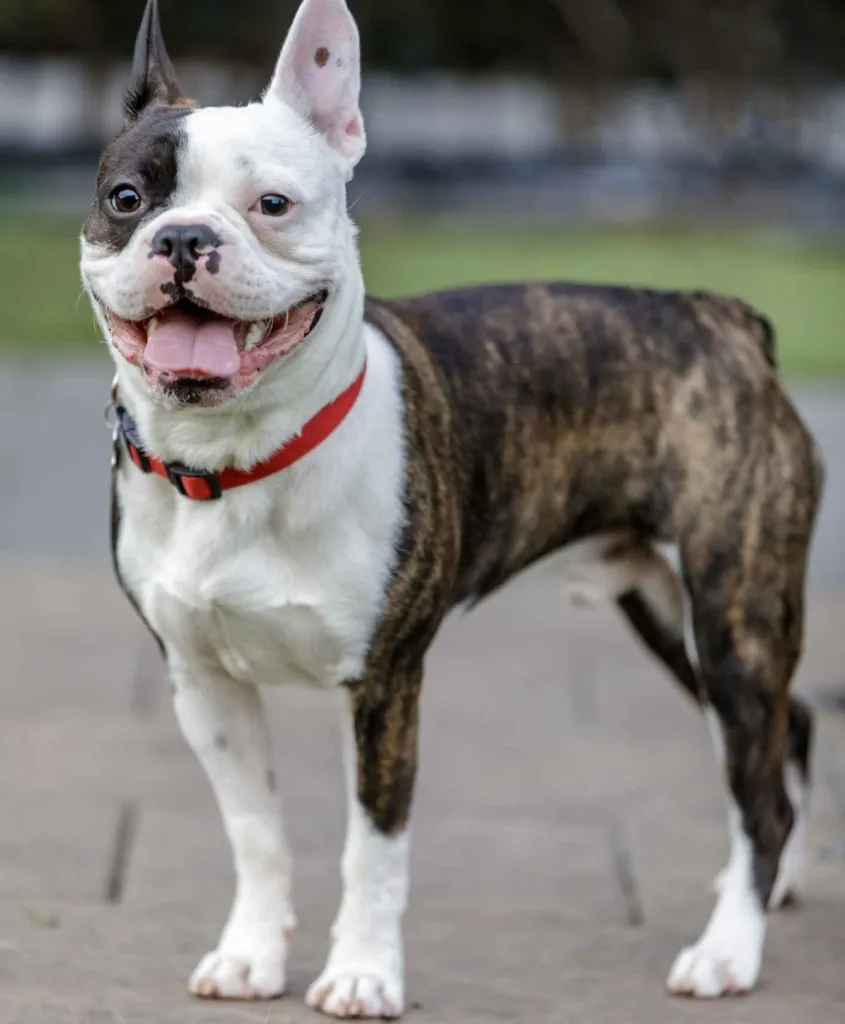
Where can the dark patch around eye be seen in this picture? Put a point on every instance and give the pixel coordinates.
(145, 154)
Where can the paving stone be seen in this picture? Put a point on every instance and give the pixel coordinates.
(569, 821)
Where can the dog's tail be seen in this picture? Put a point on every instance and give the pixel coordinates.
(761, 328)
(720, 310)
(750, 320)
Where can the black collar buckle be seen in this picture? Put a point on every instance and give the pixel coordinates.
(178, 473)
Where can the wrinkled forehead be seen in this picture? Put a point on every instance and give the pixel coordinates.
(145, 156)
(268, 146)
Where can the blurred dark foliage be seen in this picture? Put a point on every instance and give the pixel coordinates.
(666, 40)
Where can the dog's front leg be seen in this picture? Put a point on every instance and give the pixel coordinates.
(223, 722)
(364, 975)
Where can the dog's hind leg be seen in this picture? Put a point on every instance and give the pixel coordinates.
(223, 722)
(745, 574)
(647, 588)
(655, 608)
(364, 974)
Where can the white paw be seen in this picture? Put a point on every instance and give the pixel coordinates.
(708, 971)
(223, 975)
(357, 990)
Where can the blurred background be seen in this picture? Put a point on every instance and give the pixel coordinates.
(690, 143)
(569, 813)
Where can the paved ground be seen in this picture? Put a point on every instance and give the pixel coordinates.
(568, 822)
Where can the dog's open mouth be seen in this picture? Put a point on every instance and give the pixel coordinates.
(189, 341)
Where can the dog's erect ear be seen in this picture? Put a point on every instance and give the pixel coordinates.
(319, 74)
(154, 81)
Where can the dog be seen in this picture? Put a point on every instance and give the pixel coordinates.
(306, 481)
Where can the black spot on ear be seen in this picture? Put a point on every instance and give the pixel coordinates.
(221, 742)
(321, 57)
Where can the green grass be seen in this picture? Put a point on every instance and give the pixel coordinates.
(797, 282)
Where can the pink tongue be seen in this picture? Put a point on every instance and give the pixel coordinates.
(187, 346)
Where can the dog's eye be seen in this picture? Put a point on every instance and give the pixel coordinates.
(273, 205)
(125, 199)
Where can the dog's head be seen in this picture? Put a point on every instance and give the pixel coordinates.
(218, 236)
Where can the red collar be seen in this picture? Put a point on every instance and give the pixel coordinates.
(206, 486)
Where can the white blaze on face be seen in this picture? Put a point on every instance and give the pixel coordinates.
(231, 159)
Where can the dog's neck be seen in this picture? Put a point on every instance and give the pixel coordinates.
(248, 430)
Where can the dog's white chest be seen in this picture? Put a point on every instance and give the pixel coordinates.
(283, 580)
(260, 616)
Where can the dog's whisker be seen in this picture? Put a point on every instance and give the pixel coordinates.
(355, 201)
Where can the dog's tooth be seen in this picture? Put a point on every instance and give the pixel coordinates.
(153, 324)
(255, 333)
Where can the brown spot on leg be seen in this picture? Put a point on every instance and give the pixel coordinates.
(321, 57)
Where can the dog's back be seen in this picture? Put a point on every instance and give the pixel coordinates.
(576, 409)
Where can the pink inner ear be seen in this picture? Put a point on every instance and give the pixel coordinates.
(318, 73)
(325, 90)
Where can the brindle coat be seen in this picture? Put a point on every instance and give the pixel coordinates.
(537, 415)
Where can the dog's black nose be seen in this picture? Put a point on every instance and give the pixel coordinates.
(182, 244)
